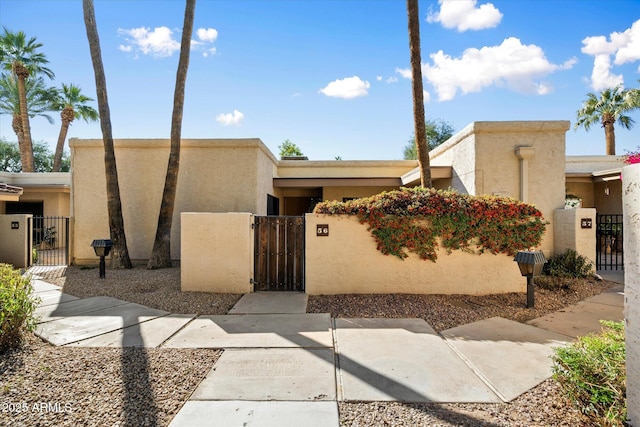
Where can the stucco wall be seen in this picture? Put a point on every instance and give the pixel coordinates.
(14, 243)
(571, 235)
(215, 176)
(610, 204)
(631, 209)
(582, 190)
(217, 252)
(344, 168)
(54, 202)
(347, 261)
(459, 152)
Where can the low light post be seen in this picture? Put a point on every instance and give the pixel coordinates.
(530, 264)
(102, 247)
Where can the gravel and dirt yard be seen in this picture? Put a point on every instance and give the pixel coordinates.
(51, 386)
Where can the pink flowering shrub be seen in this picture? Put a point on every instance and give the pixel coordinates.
(420, 219)
(633, 157)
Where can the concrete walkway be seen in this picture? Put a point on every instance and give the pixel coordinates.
(284, 367)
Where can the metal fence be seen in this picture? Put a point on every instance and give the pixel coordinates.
(609, 238)
(50, 244)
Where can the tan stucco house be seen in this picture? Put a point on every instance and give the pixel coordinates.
(525, 160)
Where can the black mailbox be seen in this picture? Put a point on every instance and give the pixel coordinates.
(530, 264)
(102, 247)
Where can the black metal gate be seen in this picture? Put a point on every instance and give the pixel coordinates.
(50, 244)
(279, 253)
(609, 250)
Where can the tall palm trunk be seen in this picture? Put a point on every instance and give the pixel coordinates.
(16, 124)
(422, 147)
(120, 258)
(609, 135)
(161, 253)
(26, 150)
(66, 117)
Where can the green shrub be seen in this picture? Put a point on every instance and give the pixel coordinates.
(17, 305)
(421, 219)
(592, 374)
(569, 264)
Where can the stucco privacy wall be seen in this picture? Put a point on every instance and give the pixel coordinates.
(347, 261)
(216, 175)
(484, 161)
(217, 252)
(571, 235)
(631, 214)
(14, 242)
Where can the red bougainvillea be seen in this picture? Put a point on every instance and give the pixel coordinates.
(419, 220)
(632, 157)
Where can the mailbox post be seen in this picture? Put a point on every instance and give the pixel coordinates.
(102, 247)
(530, 263)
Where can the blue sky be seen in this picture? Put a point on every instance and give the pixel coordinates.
(333, 75)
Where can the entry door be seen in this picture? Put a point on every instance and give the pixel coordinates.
(279, 253)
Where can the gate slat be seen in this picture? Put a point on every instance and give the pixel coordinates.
(609, 238)
(50, 240)
(279, 253)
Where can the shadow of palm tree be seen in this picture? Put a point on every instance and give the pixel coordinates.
(139, 402)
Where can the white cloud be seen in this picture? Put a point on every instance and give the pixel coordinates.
(404, 72)
(207, 34)
(426, 96)
(347, 88)
(464, 15)
(510, 64)
(392, 79)
(211, 51)
(379, 78)
(229, 119)
(625, 47)
(158, 43)
(161, 43)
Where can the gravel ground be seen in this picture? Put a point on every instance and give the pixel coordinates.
(136, 387)
(42, 385)
(154, 288)
(448, 311)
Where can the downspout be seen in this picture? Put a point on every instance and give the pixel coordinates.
(524, 154)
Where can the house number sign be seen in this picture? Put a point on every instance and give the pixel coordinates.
(322, 230)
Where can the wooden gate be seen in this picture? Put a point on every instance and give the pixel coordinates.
(279, 253)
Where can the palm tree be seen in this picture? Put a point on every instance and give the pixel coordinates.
(608, 108)
(39, 101)
(418, 97)
(120, 258)
(72, 104)
(161, 253)
(21, 57)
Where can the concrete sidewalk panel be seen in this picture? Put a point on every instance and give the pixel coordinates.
(271, 303)
(255, 330)
(614, 296)
(579, 319)
(149, 334)
(263, 414)
(510, 356)
(402, 360)
(290, 374)
(53, 297)
(41, 286)
(88, 325)
(75, 307)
